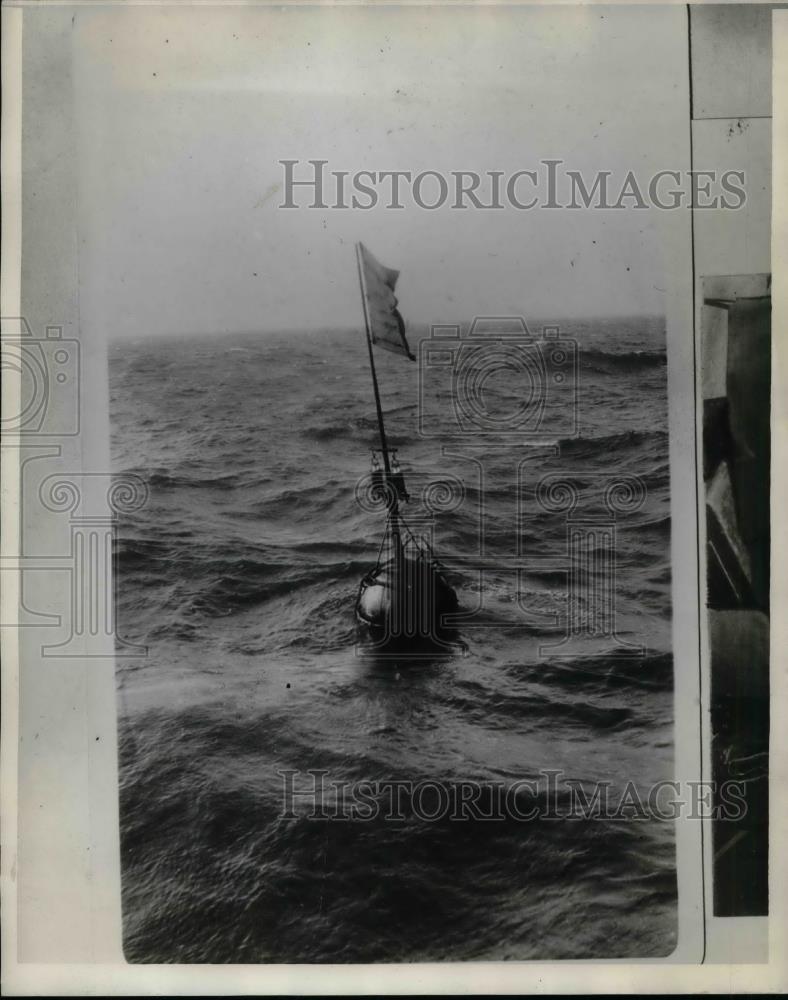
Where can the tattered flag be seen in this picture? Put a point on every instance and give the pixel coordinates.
(386, 326)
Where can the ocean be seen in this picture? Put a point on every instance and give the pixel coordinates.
(240, 574)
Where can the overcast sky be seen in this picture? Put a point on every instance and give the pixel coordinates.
(184, 115)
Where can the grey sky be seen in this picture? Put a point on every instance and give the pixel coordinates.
(185, 113)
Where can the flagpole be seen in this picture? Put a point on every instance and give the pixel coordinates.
(384, 444)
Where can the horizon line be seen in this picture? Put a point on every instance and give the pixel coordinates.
(413, 325)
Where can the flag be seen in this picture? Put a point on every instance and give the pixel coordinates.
(386, 326)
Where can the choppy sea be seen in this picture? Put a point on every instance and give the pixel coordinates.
(240, 574)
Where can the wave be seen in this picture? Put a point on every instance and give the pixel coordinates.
(361, 429)
(603, 672)
(606, 444)
(249, 583)
(612, 363)
(161, 479)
